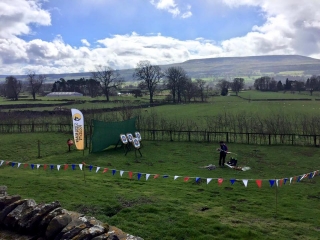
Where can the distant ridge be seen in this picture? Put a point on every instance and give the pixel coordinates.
(230, 67)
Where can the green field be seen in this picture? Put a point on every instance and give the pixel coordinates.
(165, 208)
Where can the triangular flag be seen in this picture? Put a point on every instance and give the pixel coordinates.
(220, 181)
(156, 176)
(12, 164)
(1, 162)
(66, 166)
(147, 176)
(121, 172)
(45, 166)
(197, 179)
(245, 182)
(310, 175)
(114, 171)
(290, 180)
(73, 167)
(232, 181)
(186, 179)
(175, 177)
(209, 180)
(299, 178)
(294, 179)
(7, 162)
(165, 176)
(271, 182)
(38, 165)
(97, 170)
(90, 168)
(25, 165)
(277, 182)
(80, 166)
(105, 170)
(130, 174)
(139, 176)
(58, 167)
(51, 166)
(280, 182)
(32, 165)
(285, 180)
(18, 164)
(259, 182)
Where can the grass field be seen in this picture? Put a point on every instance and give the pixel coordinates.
(165, 208)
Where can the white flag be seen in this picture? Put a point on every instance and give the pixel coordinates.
(175, 177)
(80, 166)
(147, 176)
(38, 165)
(245, 182)
(290, 180)
(209, 180)
(97, 169)
(1, 162)
(19, 164)
(121, 172)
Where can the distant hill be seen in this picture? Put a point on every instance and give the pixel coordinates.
(278, 66)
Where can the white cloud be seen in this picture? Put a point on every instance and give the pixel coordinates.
(171, 7)
(85, 42)
(17, 15)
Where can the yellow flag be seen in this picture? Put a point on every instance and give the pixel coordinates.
(78, 128)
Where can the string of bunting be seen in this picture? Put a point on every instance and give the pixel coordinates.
(272, 182)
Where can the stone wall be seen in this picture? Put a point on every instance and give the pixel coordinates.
(24, 219)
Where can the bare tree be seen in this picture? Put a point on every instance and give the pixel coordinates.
(175, 77)
(35, 83)
(150, 76)
(237, 85)
(201, 86)
(108, 79)
(13, 88)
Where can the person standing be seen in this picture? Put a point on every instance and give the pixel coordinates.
(223, 153)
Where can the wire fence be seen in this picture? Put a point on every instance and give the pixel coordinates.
(183, 136)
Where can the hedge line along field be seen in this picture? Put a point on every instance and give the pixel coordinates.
(165, 207)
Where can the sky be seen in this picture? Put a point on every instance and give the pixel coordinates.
(72, 36)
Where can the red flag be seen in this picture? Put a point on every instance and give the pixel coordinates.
(7, 162)
(66, 166)
(294, 179)
(130, 174)
(156, 176)
(105, 170)
(280, 182)
(220, 181)
(259, 182)
(45, 166)
(25, 165)
(186, 179)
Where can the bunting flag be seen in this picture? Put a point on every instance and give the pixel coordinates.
(147, 176)
(232, 181)
(277, 183)
(299, 178)
(25, 165)
(290, 180)
(58, 167)
(80, 166)
(32, 166)
(73, 167)
(51, 167)
(38, 165)
(285, 180)
(90, 168)
(1, 162)
(78, 128)
(130, 174)
(45, 166)
(121, 172)
(97, 170)
(105, 170)
(12, 164)
(139, 176)
(220, 181)
(156, 176)
(7, 162)
(66, 166)
(186, 179)
(271, 182)
(197, 179)
(209, 180)
(165, 176)
(294, 179)
(259, 182)
(114, 172)
(175, 177)
(310, 175)
(245, 182)
(280, 182)
(18, 165)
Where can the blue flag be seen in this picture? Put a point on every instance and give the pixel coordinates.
(139, 176)
(51, 166)
(73, 167)
(113, 171)
(197, 179)
(232, 181)
(285, 180)
(271, 182)
(12, 164)
(90, 167)
(32, 166)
